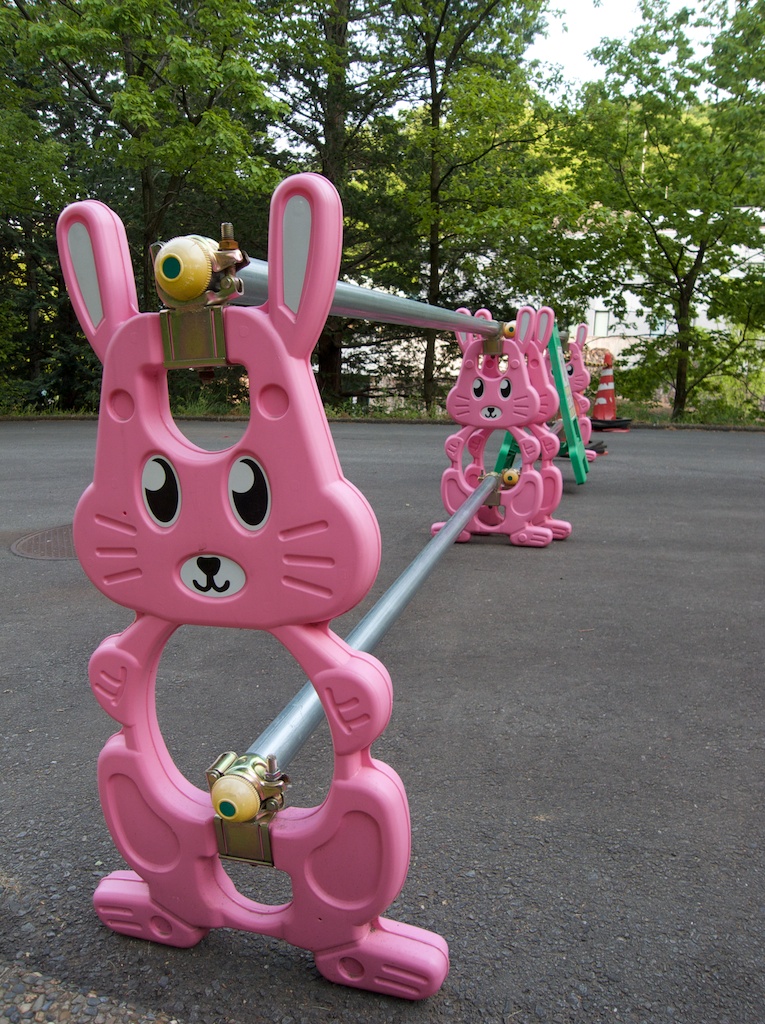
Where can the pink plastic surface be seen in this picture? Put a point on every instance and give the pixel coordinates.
(579, 378)
(495, 393)
(536, 341)
(161, 531)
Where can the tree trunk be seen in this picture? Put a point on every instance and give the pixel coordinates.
(333, 155)
(329, 348)
(434, 234)
(36, 347)
(329, 351)
(683, 350)
(681, 376)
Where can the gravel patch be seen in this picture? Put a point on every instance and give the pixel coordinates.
(30, 996)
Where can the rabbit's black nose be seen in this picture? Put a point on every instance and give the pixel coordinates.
(209, 566)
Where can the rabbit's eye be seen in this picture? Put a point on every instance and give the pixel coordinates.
(570, 369)
(161, 491)
(478, 387)
(249, 493)
(505, 388)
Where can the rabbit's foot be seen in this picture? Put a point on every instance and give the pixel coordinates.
(531, 536)
(124, 904)
(393, 958)
(463, 538)
(560, 528)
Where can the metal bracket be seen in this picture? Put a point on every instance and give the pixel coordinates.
(493, 345)
(245, 841)
(495, 497)
(246, 792)
(193, 338)
(194, 277)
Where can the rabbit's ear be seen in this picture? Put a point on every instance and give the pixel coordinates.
(545, 324)
(524, 326)
(305, 243)
(581, 335)
(95, 258)
(464, 337)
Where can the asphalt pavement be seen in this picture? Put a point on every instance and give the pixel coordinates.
(580, 728)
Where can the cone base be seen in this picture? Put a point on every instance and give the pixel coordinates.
(616, 424)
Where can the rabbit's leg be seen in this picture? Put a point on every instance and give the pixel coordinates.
(523, 501)
(521, 505)
(348, 859)
(458, 482)
(552, 484)
(489, 517)
(124, 903)
(454, 491)
(160, 823)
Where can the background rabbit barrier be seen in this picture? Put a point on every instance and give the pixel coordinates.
(236, 538)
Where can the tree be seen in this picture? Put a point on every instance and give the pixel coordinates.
(160, 109)
(471, 102)
(338, 76)
(666, 157)
(173, 95)
(33, 187)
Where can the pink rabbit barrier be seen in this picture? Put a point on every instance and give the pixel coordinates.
(509, 390)
(181, 535)
(579, 379)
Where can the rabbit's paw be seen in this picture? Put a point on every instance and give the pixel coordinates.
(477, 442)
(453, 447)
(530, 448)
(357, 700)
(111, 671)
(550, 444)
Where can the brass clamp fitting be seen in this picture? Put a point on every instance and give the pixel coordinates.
(247, 787)
(195, 276)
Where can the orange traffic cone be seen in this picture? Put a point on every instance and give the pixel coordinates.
(604, 410)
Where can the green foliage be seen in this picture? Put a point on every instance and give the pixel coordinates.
(468, 121)
(222, 392)
(666, 158)
(68, 379)
(727, 371)
(462, 184)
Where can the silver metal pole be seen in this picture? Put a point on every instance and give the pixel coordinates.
(292, 727)
(352, 300)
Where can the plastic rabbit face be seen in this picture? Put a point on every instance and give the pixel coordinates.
(267, 533)
(492, 391)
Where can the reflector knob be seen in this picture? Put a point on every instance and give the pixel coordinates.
(184, 266)
(234, 798)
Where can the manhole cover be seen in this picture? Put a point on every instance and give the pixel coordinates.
(56, 542)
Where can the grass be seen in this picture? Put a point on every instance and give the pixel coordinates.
(653, 415)
(641, 414)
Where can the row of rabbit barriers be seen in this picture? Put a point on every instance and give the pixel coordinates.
(186, 536)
